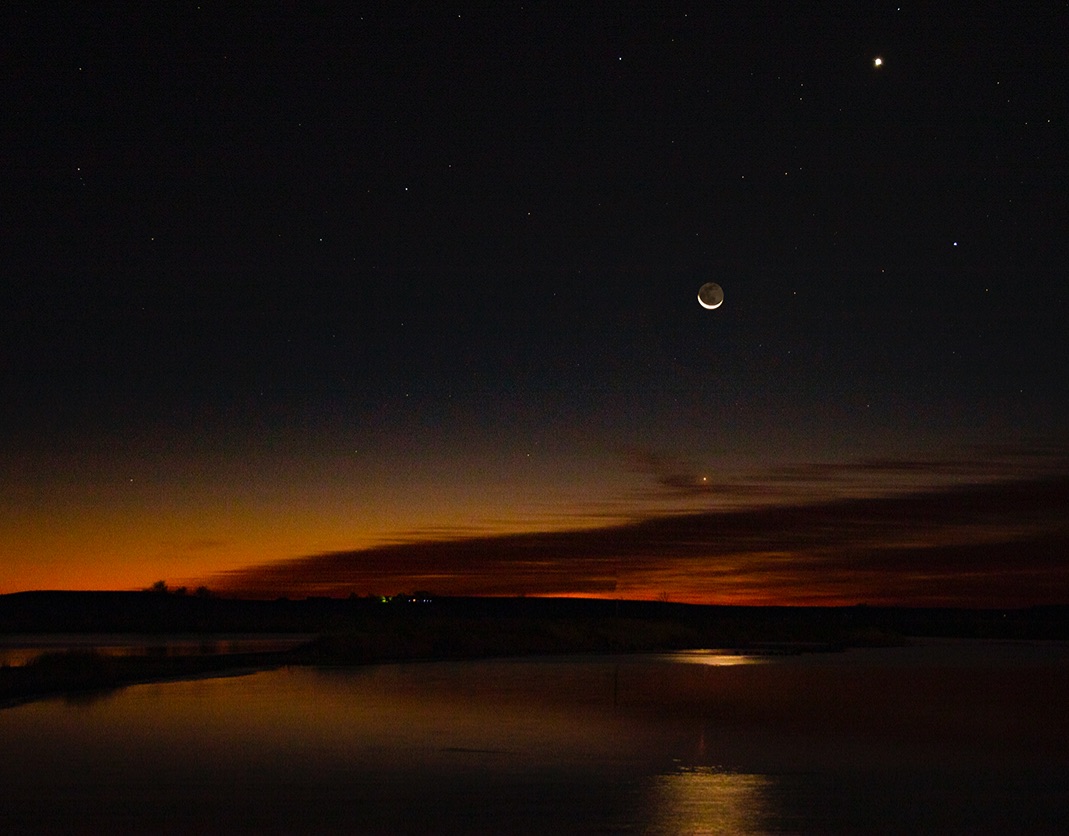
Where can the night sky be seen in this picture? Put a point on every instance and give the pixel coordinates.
(372, 298)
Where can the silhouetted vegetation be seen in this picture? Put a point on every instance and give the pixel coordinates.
(202, 612)
(419, 627)
(79, 672)
(161, 588)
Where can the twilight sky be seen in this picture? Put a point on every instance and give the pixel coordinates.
(311, 301)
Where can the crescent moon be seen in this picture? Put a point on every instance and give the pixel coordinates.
(710, 296)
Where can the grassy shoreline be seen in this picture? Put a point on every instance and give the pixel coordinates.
(68, 674)
(84, 672)
(366, 631)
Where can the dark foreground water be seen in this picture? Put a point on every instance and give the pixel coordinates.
(941, 737)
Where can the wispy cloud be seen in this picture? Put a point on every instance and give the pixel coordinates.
(1003, 543)
(671, 483)
(673, 475)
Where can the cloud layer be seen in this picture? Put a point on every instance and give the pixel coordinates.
(994, 544)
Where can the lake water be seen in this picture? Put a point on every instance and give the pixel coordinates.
(939, 737)
(18, 649)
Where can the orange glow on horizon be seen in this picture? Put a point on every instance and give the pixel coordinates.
(997, 544)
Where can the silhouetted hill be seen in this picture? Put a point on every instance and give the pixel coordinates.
(153, 612)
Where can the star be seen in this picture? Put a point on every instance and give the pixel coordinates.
(877, 62)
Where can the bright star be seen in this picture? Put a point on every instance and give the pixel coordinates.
(878, 62)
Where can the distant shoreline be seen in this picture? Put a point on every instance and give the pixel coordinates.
(368, 631)
(71, 674)
(78, 673)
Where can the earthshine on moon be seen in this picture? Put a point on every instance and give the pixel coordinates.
(710, 296)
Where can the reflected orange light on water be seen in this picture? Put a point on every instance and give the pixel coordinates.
(705, 800)
(713, 658)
